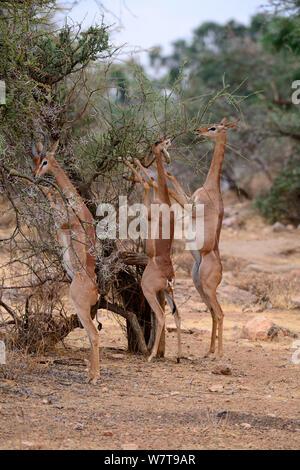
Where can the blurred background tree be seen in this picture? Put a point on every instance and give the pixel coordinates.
(260, 61)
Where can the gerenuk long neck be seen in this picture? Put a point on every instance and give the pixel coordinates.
(162, 191)
(64, 183)
(214, 174)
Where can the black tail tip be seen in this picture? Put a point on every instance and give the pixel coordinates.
(178, 360)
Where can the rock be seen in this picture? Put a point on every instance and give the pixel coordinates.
(46, 401)
(108, 433)
(290, 227)
(78, 427)
(246, 426)
(216, 388)
(257, 328)
(294, 303)
(173, 329)
(27, 445)
(129, 446)
(278, 227)
(264, 329)
(222, 370)
(203, 308)
(200, 332)
(117, 356)
(281, 331)
(234, 222)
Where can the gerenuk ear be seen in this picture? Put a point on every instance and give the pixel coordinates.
(232, 124)
(39, 147)
(54, 147)
(35, 153)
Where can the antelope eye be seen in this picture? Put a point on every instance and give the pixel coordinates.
(44, 163)
(212, 129)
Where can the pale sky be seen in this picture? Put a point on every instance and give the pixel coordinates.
(142, 24)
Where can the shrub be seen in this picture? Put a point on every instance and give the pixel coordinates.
(282, 201)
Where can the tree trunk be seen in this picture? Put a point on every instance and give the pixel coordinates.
(135, 300)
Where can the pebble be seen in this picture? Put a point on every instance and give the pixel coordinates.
(129, 446)
(216, 388)
(78, 427)
(246, 426)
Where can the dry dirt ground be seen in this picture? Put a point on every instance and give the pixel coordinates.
(45, 402)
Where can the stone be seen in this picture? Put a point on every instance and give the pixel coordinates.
(108, 433)
(257, 328)
(264, 329)
(294, 303)
(200, 332)
(234, 222)
(278, 227)
(129, 446)
(246, 426)
(117, 356)
(46, 401)
(216, 388)
(27, 445)
(78, 427)
(173, 329)
(222, 370)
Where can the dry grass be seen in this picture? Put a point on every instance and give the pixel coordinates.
(18, 362)
(277, 289)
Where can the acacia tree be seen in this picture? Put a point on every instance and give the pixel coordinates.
(65, 83)
(49, 83)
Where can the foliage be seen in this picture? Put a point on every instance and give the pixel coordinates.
(260, 61)
(35, 63)
(282, 201)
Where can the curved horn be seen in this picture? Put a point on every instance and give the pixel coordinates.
(44, 143)
(33, 148)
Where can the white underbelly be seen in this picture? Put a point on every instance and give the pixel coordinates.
(66, 256)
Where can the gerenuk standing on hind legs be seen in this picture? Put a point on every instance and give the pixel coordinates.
(159, 273)
(207, 269)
